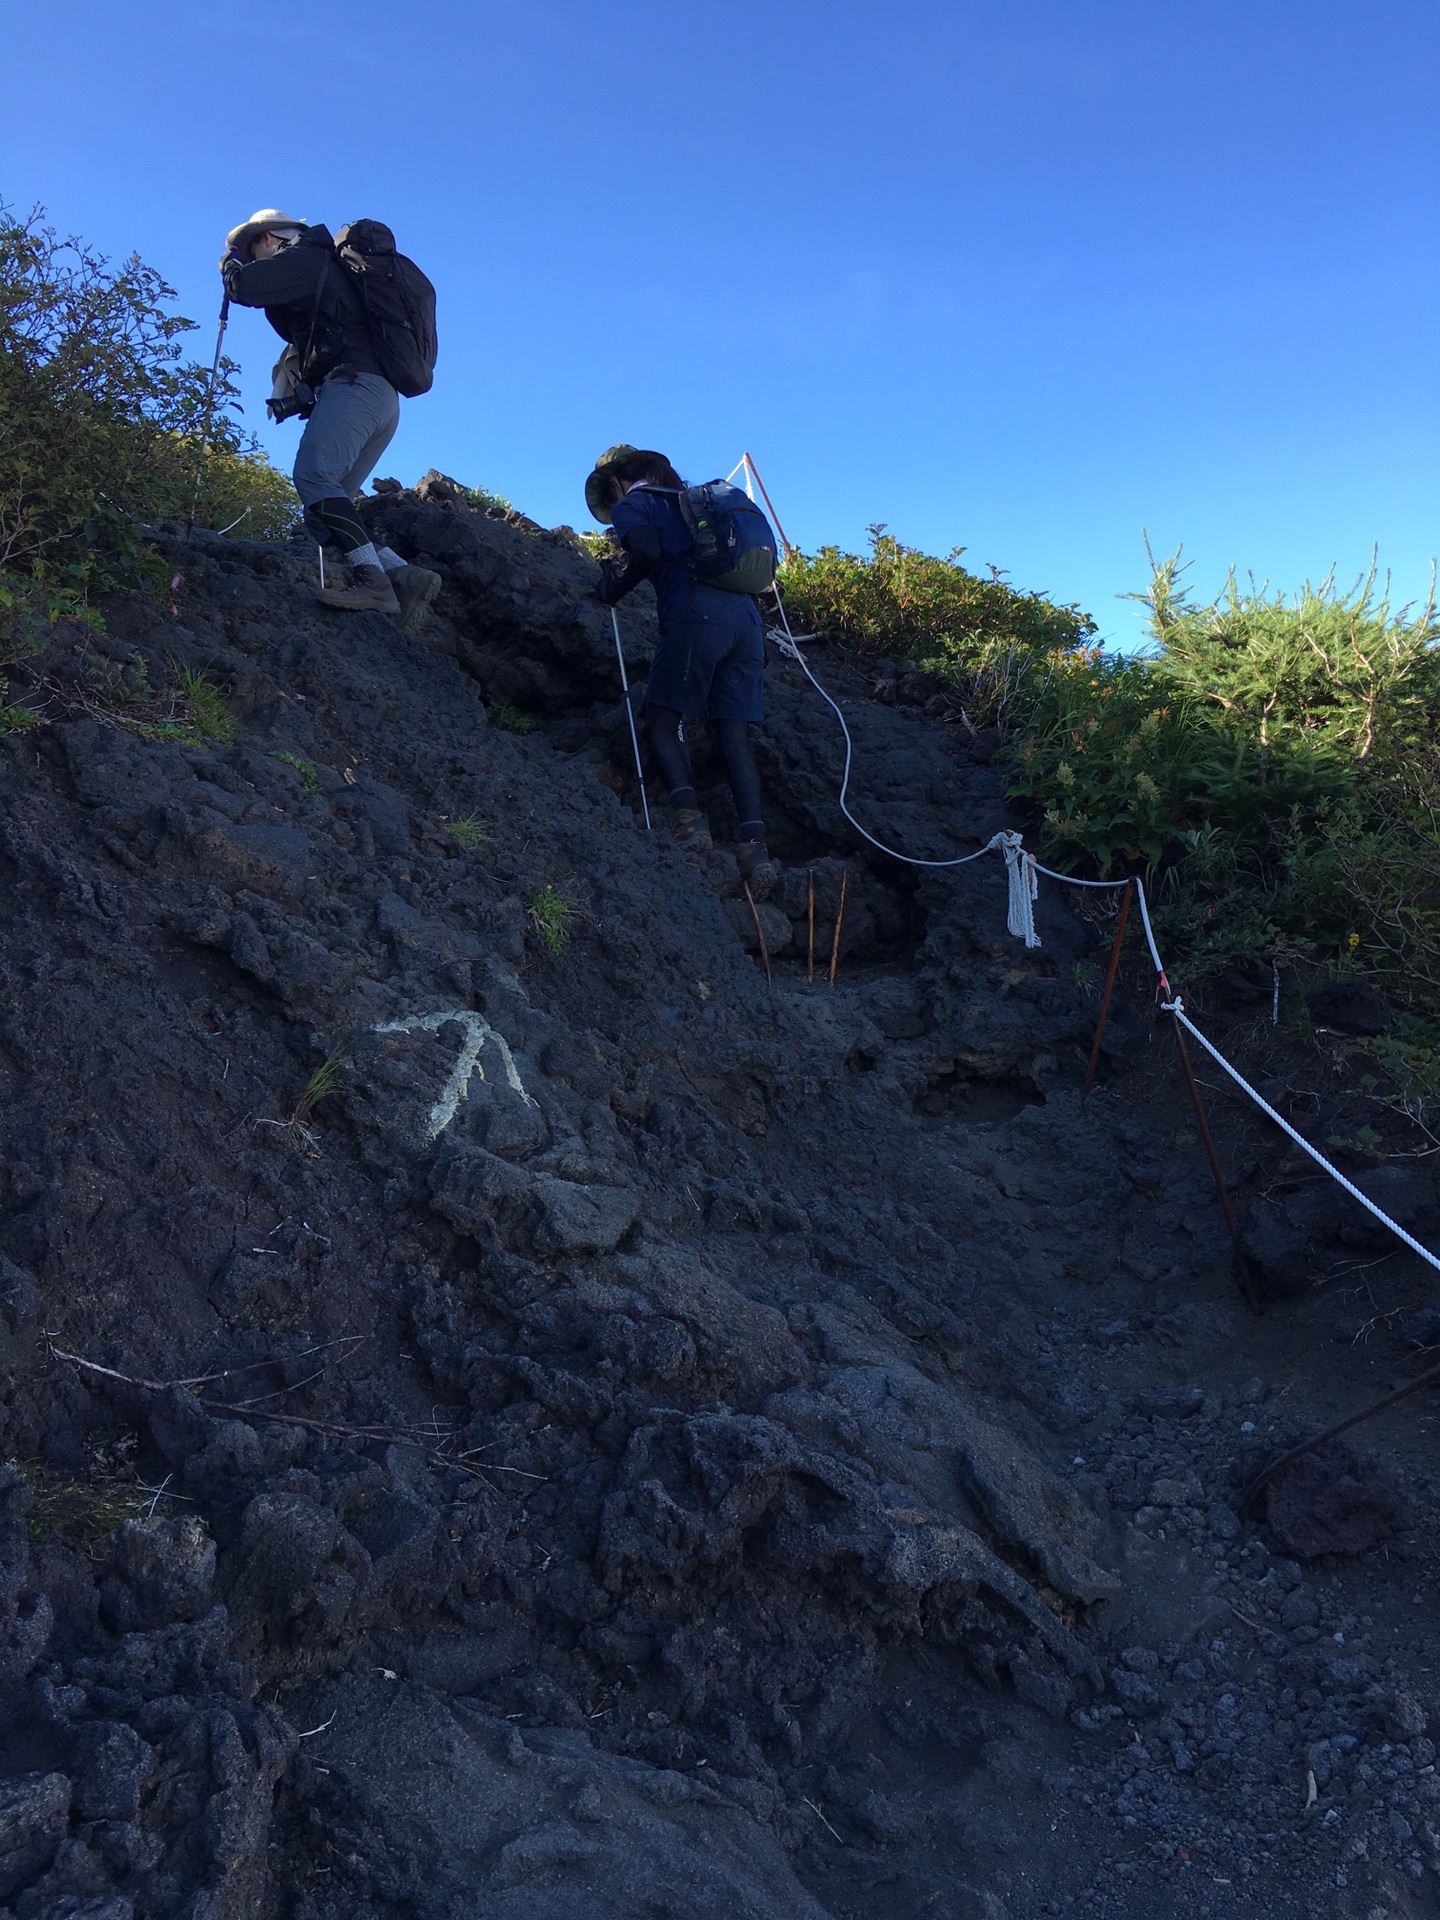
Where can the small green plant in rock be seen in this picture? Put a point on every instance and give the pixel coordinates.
(484, 500)
(550, 914)
(1407, 1056)
(511, 719)
(30, 608)
(188, 709)
(15, 719)
(321, 1084)
(309, 779)
(78, 1512)
(467, 832)
(207, 716)
(1364, 1145)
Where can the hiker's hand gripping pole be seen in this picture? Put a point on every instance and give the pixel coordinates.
(630, 716)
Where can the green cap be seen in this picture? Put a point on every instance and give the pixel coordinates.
(596, 488)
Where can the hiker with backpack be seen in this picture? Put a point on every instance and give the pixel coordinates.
(709, 551)
(358, 320)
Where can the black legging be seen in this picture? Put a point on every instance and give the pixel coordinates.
(732, 737)
(335, 523)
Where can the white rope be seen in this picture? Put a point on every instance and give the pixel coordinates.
(910, 859)
(1177, 1007)
(1131, 880)
(1022, 871)
(1024, 888)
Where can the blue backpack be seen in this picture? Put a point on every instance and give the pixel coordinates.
(734, 547)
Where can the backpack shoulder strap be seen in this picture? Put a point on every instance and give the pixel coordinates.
(694, 504)
(325, 258)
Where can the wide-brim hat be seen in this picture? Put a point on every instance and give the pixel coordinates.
(268, 220)
(597, 487)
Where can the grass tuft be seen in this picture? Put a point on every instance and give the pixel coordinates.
(550, 913)
(511, 719)
(321, 1084)
(467, 832)
(207, 715)
(188, 708)
(78, 1512)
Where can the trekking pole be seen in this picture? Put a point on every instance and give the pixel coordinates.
(209, 409)
(630, 716)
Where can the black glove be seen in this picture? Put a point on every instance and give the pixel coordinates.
(615, 582)
(231, 253)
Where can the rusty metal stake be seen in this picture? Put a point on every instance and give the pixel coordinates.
(1426, 1379)
(759, 935)
(839, 923)
(1110, 986)
(1242, 1265)
(810, 920)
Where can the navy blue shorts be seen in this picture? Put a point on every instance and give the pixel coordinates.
(711, 664)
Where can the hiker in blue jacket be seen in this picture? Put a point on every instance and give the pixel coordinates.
(709, 660)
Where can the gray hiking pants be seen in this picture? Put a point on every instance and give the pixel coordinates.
(355, 418)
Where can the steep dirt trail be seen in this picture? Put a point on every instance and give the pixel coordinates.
(700, 1450)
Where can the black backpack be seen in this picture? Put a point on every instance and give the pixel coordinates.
(399, 305)
(734, 547)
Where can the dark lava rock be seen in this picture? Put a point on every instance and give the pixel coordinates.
(1422, 1329)
(1330, 1501)
(1277, 1253)
(1351, 1006)
(1405, 1194)
(34, 1811)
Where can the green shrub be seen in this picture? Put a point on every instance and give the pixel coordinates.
(982, 636)
(104, 424)
(1272, 764)
(510, 719)
(240, 492)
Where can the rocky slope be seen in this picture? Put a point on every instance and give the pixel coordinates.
(601, 1434)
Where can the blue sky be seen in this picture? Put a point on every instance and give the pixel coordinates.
(1025, 276)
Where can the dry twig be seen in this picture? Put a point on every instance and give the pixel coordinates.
(253, 1410)
(839, 923)
(759, 933)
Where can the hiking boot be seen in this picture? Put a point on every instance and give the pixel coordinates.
(757, 869)
(370, 592)
(415, 588)
(691, 830)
